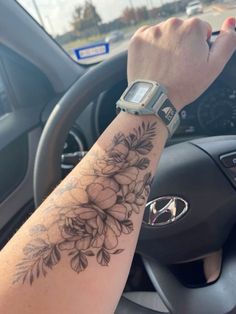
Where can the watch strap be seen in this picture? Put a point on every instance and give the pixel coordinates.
(166, 111)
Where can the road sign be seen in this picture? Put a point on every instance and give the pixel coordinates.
(92, 51)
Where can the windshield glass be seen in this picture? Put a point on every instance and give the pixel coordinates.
(93, 30)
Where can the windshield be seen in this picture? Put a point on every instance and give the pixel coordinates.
(90, 31)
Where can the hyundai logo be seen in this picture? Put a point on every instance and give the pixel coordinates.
(164, 210)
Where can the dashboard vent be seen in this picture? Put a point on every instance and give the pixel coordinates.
(73, 151)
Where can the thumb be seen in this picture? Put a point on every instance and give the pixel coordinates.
(224, 45)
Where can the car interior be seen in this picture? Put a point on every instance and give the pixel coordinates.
(53, 109)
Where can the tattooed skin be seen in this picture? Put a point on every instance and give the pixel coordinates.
(96, 211)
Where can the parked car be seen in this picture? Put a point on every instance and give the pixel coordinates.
(194, 7)
(114, 37)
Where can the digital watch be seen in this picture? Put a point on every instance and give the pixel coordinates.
(143, 97)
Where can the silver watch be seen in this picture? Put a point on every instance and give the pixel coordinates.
(143, 97)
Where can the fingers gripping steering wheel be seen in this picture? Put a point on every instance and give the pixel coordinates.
(191, 171)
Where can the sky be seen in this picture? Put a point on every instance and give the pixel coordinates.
(57, 14)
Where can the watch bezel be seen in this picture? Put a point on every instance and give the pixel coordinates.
(147, 96)
(149, 100)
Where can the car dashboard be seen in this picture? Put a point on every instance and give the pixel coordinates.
(213, 113)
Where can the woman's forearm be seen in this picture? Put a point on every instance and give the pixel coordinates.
(78, 246)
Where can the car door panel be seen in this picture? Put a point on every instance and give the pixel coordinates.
(34, 73)
(24, 93)
(13, 161)
(22, 194)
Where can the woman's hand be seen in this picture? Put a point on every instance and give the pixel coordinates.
(176, 54)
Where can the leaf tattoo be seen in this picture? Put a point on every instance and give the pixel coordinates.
(98, 209)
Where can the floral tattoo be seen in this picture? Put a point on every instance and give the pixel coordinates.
(96, 210)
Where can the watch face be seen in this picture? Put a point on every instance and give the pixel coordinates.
(138, 92)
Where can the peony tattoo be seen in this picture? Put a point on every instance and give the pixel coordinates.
(96, 211)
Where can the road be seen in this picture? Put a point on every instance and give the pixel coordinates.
(215, 16)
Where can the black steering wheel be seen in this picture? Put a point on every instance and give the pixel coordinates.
(192, 172)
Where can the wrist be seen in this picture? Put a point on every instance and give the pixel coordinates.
(130, 118)
(174, 99)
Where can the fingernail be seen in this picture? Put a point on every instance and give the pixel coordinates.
(231, 21)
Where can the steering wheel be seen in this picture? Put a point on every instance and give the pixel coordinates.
(195, 172)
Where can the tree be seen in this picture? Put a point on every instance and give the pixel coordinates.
(142, 13)
(86, 19)
(90, 13)
(128, 15)
(154, 13)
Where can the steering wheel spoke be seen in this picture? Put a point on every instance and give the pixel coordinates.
(218, 297)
